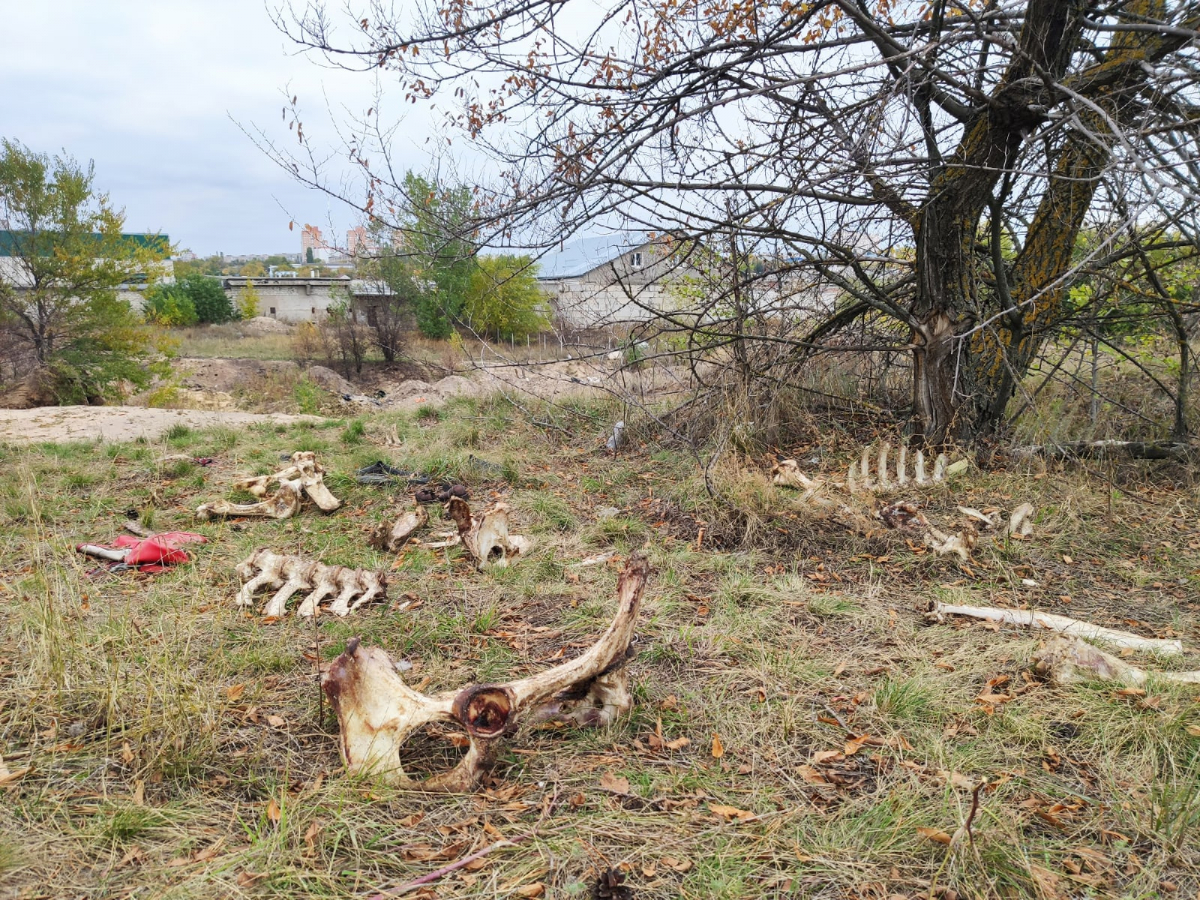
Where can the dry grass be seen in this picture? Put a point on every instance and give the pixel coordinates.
(142, 707)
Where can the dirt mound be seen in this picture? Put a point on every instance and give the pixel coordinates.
(454, 386)
(261, 325)
(330, 380)
(231, 374)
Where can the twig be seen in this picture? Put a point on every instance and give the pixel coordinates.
(453, 867)
(974, 808)
(833, 712)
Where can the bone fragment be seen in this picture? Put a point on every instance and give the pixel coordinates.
(865, 470)
(943, 544)
(284, 505)
(1070, 660)
(1021, 520)
(919, 475)
(598, 559)
(901, 463)
(971, 513)
(884, 483)
(393, 537)
(303, 477)
(287, 575)
(939, 467)
(486, 539)
(378, 712)
(1122, 640)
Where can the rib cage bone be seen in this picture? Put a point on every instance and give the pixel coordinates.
(377, 711)
(861, 480)
(303, 476)
(288, 575)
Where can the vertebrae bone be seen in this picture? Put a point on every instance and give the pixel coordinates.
(288, 575)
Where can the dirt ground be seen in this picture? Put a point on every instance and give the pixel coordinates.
(58, 424)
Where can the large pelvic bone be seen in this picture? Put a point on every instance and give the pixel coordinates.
(1069, 660)
(378, 712)
(287, 575)
(302, 477)
(486, 539)
(392, 537)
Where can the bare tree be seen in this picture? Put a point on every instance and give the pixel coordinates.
(930, 165)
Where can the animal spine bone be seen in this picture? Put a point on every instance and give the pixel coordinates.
(287, 575)
(486, 539)
(377, 711)
(303, 476)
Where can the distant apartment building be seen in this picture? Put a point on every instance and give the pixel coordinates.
(360, 242)
(312, 239)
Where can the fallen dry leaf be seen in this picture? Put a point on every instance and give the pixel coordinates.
(935, 835)
(274, 813)
(616, 783)
(718, 749)
(276, 721)
(249, 879)
(676, 865)
(234, 692)
(311, 835)
(730, 812)
(139, 793)
(537, 889)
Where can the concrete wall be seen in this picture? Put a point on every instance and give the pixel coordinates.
(291, 299)
(631, 288)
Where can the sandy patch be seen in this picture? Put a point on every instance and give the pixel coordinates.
(118, 423)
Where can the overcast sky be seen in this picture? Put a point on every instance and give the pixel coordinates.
(148, 90)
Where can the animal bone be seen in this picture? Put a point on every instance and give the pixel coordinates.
(377, 711)
(1070, 660)
(486, 539)
(392, 538)
(1021, 520)
(287, 575)
(303, 476)
(943, 544)
(1122, 640)
(284, 505)
(305, 468)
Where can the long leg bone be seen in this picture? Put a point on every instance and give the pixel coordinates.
(1122, 640)
(1069, 660)
(326, 582)
(270, 566)
(284, 505)
(392, 537)
(377, 712)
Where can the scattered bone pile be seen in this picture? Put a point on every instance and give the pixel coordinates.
(378, 712)
(288, 575)
(304, 477)
(872, 475)
(486, 538)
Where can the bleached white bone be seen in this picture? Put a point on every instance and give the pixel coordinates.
(1070, 660)
(392, 538)
(288, 575)
(919, 474)
(901, 460)
(1072, 627)
(378, 712)
(486, 539)
(303, 477)
(884, 483)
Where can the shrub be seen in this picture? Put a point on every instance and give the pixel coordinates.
(168, 305)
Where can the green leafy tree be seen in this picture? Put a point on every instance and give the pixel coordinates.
(208, 297)
(169, 305)
(438, 238)
(504, 300)
(248, 301)
(65, 261)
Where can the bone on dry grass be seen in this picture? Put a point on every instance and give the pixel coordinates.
(1067, 660)
(304, 477)
(1062, 624)
(288, 575)
(378, 712)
